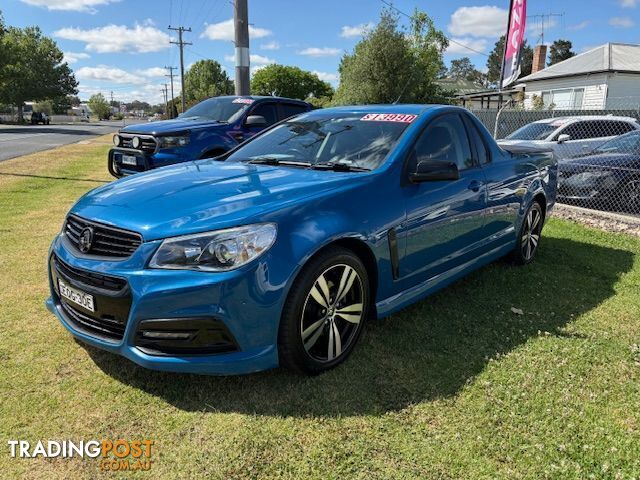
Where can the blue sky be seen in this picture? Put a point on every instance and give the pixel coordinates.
(122, 45)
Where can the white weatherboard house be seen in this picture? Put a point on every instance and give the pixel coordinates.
(606, 77)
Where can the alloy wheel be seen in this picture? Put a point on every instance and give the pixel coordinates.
(531, 232)
(333, 313)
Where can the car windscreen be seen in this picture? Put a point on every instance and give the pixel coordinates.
(352, 139)
(222, 109)
(625, 144)
(533, 131)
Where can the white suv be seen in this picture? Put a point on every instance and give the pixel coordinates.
(571, 136)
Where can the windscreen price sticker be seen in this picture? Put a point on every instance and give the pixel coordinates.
(246, 101)
(389, 117)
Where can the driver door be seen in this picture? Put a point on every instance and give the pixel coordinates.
(445, 218)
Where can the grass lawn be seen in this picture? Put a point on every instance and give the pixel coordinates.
(458, 386)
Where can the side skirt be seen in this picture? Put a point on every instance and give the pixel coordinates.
(392, 304)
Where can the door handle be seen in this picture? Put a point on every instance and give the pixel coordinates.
(475, 186)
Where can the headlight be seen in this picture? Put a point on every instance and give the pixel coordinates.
(173, 141)
(136, 142)
(588, 178)
(116, 140)
(216, 251)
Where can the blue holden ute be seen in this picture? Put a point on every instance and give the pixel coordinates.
(208, 129)
(280, 251)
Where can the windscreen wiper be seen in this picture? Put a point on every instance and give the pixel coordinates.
(339, 167)
(277, 161)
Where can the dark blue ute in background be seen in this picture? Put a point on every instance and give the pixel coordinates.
(208, 129)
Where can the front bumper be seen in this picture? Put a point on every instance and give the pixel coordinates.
(243, 302)
(144, 161)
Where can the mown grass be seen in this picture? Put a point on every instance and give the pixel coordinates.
(458, 386)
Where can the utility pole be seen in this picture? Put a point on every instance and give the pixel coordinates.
(241, 28)
(181, 44)
(166, 105)
(171, 69)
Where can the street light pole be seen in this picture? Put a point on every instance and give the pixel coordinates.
(241, 27)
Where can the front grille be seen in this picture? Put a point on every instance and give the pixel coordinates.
(107, 241)
(101, 327)
(148, 144)
(94, 279)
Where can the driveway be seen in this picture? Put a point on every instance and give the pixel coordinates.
(17, 140)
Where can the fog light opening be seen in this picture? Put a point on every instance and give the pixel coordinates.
(165, 335)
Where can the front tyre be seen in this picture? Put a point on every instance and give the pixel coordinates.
(530, 234)
(324, 313)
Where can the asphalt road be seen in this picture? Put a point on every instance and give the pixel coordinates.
(17, 140)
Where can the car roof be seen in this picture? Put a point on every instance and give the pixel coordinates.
(263, 97)
(405, 108)
(562, 121)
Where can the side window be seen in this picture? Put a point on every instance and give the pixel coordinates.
(290, 109)
(476, 139)
(578, 130)
(268, 111)
(444, 140)
(619, 128)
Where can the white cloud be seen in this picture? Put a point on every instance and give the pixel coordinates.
(253, 58)
(455, 46)
(320, 52)
(628, 3)
(73, 57)
(580, 26)
(119, 38)
(273, 45)
(105, 73)
(224, 31)
(621, 22)
(486, 21)
(153, 72)
(350, 31)
(72, 5)
(326, 76)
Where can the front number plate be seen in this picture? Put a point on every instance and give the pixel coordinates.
(129, 160)
(76, 296)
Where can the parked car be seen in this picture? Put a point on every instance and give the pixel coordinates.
(572, 136)
(608, 177)
(208, 129)
(278, 251)
(40, 117)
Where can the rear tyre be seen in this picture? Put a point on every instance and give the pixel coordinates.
(530, 235)
(324, 313)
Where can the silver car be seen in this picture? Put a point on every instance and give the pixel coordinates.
(571, 136)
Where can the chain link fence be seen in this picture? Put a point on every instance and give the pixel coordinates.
(598, 151)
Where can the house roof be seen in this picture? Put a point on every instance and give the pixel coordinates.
(610, 57)
(458, 86)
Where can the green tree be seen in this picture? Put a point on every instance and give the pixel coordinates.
(391, 63)
(32, 68)
(99, 106)
(560, 51)
(288, 81)
(205, 79)
(463, 69)
(494, 62)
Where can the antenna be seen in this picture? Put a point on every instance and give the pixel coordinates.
(544, 17)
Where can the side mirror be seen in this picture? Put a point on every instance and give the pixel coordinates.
(255, 121)
(564, 138)
(434, 171)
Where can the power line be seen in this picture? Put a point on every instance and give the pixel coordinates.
(390, 5)
(181, 44)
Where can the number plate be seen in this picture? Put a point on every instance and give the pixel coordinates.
(76, 296)
(129, 160)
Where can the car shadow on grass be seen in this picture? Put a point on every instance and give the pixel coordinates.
(428, 351)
